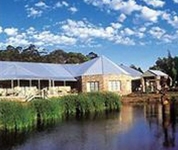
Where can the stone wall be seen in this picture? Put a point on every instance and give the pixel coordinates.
(92, 78)
(103, 82)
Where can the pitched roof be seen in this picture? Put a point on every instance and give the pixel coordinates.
(28, 70)
(150, 72)
(99, 65)
(158, 73)
(132, 72)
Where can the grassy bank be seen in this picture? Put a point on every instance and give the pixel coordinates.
(17, 116)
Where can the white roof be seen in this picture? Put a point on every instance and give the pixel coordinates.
(99, 65)
(150, 72)
(28, 70)
(132, 72)
(62, 72)
(158, 73)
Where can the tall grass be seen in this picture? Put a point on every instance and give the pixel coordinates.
(90, 102)
(46, 109)
(16, 115)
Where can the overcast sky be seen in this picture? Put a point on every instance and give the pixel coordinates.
(126, 31)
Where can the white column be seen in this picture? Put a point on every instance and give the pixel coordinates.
(30, 83)
(39, 84)
(49, 83)
(18, 83)
(12, 84)
(53, 83)
(143, 84)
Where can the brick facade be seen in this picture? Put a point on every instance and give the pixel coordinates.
(103, 82)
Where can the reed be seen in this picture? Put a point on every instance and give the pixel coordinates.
(90, 102)
(16, 115)
(47, 110)
(68, 103)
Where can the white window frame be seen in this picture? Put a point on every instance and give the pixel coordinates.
(114, 85)
(92, 86)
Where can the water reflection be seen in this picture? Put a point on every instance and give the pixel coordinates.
(13, 139)
(135, 127)
(169, 122)
(164, 115)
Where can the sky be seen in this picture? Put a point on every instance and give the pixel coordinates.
(126, 31)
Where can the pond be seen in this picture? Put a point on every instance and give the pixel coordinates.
(134, 128)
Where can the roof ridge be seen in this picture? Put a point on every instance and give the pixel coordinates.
(63, 66)
(6, 68)
(21, 67)
(94, 61)
(115, 65)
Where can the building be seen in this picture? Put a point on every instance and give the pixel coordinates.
(152, 80)
(136, 77)
(99, 74)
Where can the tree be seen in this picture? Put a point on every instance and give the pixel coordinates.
(92, 55)
(57, 56)
(31, 53)
(10, 54)
(168, 65)
(34, 54)
(136, 68)
(76, 58)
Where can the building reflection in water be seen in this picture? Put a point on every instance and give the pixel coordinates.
(165, 117)
(126, 118)
(169, 121)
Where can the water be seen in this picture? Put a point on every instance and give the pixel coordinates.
(134, 128)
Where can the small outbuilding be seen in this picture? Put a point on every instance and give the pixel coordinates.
(152, 80)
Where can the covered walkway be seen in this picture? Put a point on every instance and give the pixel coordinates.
(25, 79)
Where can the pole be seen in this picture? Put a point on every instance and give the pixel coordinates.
(12, 86)
(18, 83)
(30, 83)
(39, 84)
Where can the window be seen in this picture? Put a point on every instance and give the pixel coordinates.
(93, 86)
(114, 85)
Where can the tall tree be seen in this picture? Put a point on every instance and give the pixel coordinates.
(34, 54)
(168, 65)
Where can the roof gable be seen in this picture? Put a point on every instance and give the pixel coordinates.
(99, 65)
